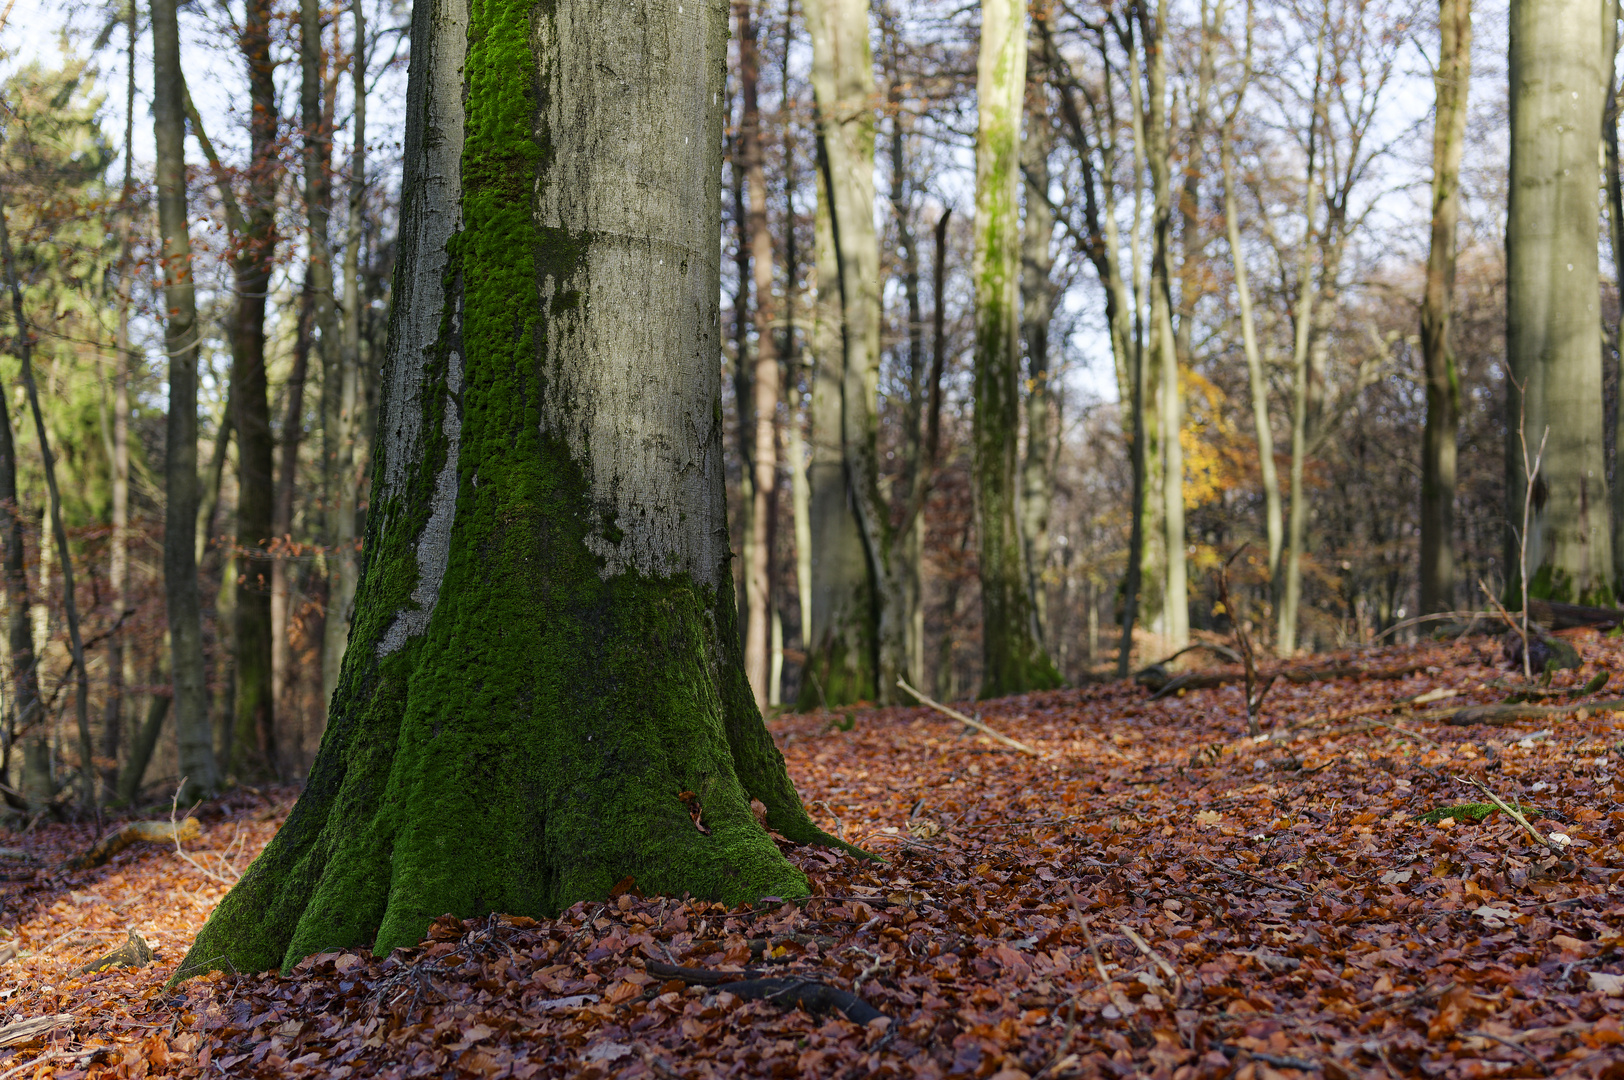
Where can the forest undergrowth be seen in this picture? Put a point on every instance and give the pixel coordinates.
(1154, 893)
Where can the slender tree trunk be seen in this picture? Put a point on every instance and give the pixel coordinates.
(254, 742)
(287, 484)
(28, 721)
(144, 743)
(118, 555)
(845, 661)
(1013, 658)
(800, 486)
(191, 702)
(344, 560)
(1257, 381)
(89, 795)
(765, 383)
(1451, 81)
(1289, 589)
(1037, 307)
(744, 401)
(1560, 71)
(544, 691)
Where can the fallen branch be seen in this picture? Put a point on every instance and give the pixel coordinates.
(29, 1030)
(1167, 969)
(991, 733)
(135, 832)
(1207, 680)
(1502, 715)
(806, 993)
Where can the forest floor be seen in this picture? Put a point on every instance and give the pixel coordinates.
(1155, 893)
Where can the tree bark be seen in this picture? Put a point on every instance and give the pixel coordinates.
(28, 719)
(845, 660)
(344, 559)
(763, 460)
(182, 601)
(287, 484)
(1615, 218)
(1037, 311)
(544, 672)
(89, 794)
(254, 755)
(1451, 81)
(1559, 69)
(1013, 659)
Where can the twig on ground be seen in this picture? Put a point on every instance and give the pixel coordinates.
(205, 871)
(1253, 877)
(990, 732)
(1167, 969)
(1523, 1050)
(1515, 814)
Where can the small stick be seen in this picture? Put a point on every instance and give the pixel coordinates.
(902, 684)
(1167, 969)
(1516, 816)
(1253, 877)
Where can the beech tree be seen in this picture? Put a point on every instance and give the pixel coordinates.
(543, 693)
(1013, 656)
(1560, 68)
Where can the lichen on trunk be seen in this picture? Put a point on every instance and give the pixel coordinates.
(543, 677)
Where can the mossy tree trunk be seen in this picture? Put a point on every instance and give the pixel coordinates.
(1013, 658)
(1560, 68)
(544, 672)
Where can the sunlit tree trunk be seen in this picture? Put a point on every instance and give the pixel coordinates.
(1013, 658)
(852, 641)
(766, 378)
(1615, 218)
(183, 604)
(1560, 67)
(544, 685)
(1256, 380)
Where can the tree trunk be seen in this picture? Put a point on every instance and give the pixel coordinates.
(800, 487)
(1013, 659)
(118, 554)
(1037, 308)
(842, 658)
(182, 602)
(1615, 218)
(254, 756)
(763, 460)
(1289, 588)
(843, 83)
(28, 718)
(1559, 69)
(1451, 81)
(287, 483)
(344, 560)
(544, 679)
(89, 795)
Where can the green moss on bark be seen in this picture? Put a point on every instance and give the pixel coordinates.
(529, 748)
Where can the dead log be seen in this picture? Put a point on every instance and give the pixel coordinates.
(1502, 715)
(809, 994)
(1559, 616)
(1206, 680)
(28, 1030)
(160, 832)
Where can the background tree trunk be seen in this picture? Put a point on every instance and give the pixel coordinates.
(1451, 80)
(182, 601)
(254, 754)
(544, 692)
(1560, 68)
(1013, 660)
(1037, 311)
(843, 658)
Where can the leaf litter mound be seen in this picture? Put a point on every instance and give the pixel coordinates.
(1156, 894)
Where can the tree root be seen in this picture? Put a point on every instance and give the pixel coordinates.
(809, 994)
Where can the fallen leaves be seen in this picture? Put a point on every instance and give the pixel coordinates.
(1155, 894)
